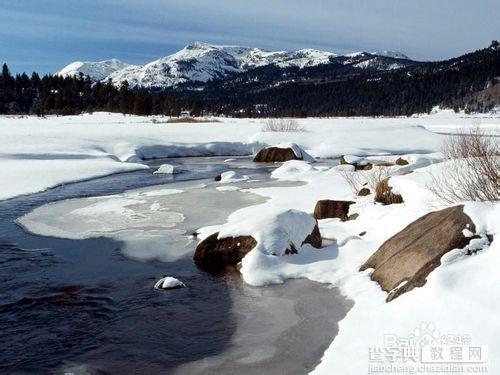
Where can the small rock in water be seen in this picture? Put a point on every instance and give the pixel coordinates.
(168, 169)
(169, 283)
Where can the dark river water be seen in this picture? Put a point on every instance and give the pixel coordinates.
(83, 307)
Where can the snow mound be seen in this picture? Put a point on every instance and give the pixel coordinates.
(169, 283)
(232, 176)
(168, 169)
(290, 168)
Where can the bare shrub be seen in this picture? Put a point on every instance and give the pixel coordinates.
(281, 125)
(384, 194)
(355, 180)
(472, 170)
(359, 179)
(190, 120)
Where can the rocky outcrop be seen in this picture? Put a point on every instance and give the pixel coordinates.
(328, 209)
(405, 260)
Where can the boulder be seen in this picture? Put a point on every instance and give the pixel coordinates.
(405, 260)
(275, 154)
(282, 152)
(314, 239)
(364, 192)
(401, 161)
(216, 253)
(328, 209)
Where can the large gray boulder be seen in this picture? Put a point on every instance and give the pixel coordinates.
(405, 260)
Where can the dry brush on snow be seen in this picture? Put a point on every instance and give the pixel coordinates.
(472, 169)
(281, 125)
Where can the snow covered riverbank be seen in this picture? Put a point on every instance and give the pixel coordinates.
(39, 153)
(457, 301)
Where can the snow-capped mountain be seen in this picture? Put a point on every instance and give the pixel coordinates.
(201, 62)
(95, 70)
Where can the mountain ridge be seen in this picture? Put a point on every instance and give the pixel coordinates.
(204, 62)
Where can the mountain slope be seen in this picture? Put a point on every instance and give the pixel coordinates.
(95, 70)
(357, 85)
(201, 62)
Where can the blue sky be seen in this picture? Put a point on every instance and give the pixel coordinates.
(44, 35)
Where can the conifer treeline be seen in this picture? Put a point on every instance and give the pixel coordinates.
(22, 94)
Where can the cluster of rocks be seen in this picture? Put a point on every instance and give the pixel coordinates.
(402, 263)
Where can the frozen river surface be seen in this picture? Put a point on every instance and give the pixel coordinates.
(78, 273)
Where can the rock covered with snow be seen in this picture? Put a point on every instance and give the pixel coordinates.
(230, 177)
(358, 162)
(274, 235)
(405, 260)
(95, 70)
(168, 169)
(282, 152)
(169, 283)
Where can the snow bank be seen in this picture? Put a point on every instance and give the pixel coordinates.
(26, 176)
(456, 301)
(57, 150)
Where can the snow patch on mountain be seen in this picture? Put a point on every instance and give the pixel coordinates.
(95, 70)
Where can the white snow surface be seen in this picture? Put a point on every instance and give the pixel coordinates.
(39, 153)
(169, 282)
(456, 300)
(95, 70)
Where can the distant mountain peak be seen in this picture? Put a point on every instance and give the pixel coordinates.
(95, 70)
